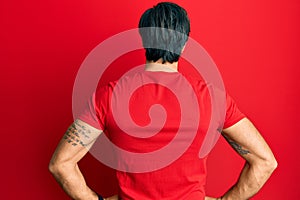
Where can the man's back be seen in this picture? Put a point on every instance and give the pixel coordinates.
(163, 173)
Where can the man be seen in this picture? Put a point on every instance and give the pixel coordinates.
(184, 178)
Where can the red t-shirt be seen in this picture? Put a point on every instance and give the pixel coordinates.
(185, 176)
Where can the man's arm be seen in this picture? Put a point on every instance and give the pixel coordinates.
(260, 161)
(76, 142)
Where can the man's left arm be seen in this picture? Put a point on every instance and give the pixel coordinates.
(75, 143)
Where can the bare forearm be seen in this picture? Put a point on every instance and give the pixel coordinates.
(252, 178)
(72, 181)
(260, 161)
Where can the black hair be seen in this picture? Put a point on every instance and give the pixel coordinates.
(170, 28)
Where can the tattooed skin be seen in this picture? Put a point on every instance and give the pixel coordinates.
(236, 146)
(78, 134)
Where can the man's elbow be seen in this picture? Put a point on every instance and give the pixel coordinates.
(53, 167)
(57, 168)
(270, 165)
(274, 164)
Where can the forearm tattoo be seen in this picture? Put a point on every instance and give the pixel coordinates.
(78, 134)
(237, 147)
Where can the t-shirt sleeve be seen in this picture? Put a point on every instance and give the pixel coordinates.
(94, 112)
(233, 114)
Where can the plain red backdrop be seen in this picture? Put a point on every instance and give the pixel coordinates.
(254, 43)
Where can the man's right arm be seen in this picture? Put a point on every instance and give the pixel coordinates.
(260, 161)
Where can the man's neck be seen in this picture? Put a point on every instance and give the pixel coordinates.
(159, 66)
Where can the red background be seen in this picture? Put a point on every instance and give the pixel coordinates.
(254, 43)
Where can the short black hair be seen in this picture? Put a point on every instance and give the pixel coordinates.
(169, 33)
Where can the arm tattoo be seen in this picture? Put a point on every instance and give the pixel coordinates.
(78, 134)
(236, 146)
